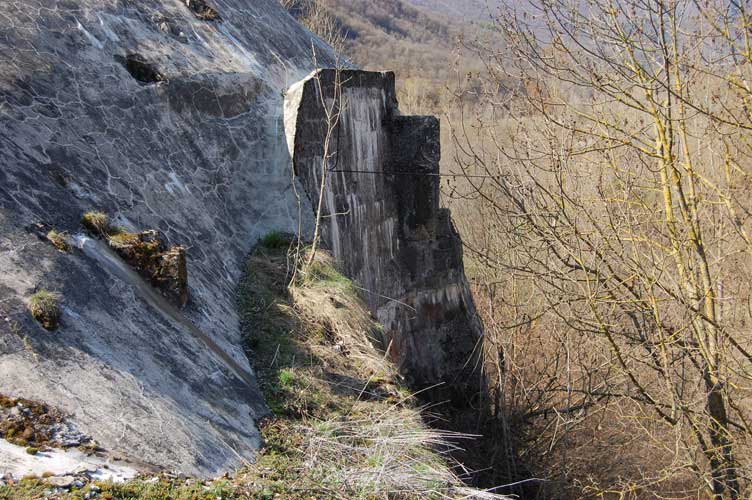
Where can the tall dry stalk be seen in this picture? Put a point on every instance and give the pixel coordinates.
(314, 15)
(332, 109)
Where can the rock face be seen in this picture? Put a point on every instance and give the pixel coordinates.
(383, 222)
(163, 114)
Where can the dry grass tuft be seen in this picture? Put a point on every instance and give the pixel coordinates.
(45, 308)
(96, 222)
(59, 240)
(384, 451)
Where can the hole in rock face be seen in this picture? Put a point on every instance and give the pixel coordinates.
(139, 69)
(203, 10)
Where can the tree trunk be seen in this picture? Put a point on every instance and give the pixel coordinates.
(725, 483)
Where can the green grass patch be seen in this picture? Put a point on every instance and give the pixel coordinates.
(322, 274)
(286, 378)
(162, 489)
(276, 240)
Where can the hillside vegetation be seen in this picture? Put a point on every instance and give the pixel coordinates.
(466, 10)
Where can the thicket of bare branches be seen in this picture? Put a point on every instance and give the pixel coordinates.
(316, 17)
(605, 203)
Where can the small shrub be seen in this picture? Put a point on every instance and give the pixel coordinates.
(45, 308)
(275, 240)
(59, 240)
(31, 450)
(286, 378)
(96, 222)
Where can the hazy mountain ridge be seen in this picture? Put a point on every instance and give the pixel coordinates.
(467, 10)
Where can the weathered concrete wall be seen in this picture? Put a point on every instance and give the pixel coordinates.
(199, 154)
(383, 222)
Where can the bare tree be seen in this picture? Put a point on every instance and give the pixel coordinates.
(613, 184)
(316, 17)
(332, 109)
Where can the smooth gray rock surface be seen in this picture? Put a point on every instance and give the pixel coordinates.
(162, 119)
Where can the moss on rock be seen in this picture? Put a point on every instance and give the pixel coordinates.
(165, 267)
(27, 423)
(45, 308)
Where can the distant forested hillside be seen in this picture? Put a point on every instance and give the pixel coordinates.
(420, 42)
(462, 9)
(392, 34)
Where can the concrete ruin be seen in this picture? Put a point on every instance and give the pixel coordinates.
(383, 223)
